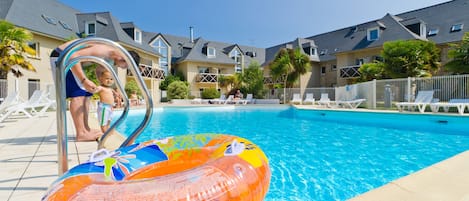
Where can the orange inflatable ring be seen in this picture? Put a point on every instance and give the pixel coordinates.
(189, 167)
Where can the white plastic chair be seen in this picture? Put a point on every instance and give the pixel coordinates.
(309, 99)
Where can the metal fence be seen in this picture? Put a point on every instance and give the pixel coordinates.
(3, 88)
(383, 93)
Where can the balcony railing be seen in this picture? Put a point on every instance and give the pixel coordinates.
(349, 71)
(207, 77)
(149, 72)
(270, 80)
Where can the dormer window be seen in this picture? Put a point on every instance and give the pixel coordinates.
(311, 51)
(138, 36)
(49, 20)
(456, 27)
(90, 28)
(432, 32)
(211, 52)
(373, 34)
(65, 25)
(323, 52)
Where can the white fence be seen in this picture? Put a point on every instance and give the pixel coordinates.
(383, 93)
(3, 88)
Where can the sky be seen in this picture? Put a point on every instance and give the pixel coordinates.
(258, 23)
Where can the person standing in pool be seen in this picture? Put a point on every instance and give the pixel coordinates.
(79, 88)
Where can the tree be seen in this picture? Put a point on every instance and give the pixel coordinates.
(281, 67)
(253, 80)
(178, 90)
(370, 71)
(459, 55)
(290, 65)
(411, 58)
(301, 65)
(14, 48)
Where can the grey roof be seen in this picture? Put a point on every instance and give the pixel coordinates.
(66, 21)
(184, 50)
(443, 16)
(300, 43)
(109, 27)
(30, 14)
(355, 37)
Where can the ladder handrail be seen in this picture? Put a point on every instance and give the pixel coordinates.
(64, 66)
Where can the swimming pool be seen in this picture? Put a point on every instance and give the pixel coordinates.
(322, 155)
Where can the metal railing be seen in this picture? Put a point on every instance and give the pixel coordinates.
(379, 92)
(271, 80)
(64, 65)
(3, 88)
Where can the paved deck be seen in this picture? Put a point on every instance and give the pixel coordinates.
(28, 156)
(28, 164)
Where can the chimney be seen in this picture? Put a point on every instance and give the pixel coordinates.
(191, 29)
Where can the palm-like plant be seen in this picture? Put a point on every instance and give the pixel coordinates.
(281, 67)
(14, 48)
(460, 56)
(301, 64)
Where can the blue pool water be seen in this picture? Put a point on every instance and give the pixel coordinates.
(322, 155)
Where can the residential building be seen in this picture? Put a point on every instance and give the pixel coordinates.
(53, 23)
(335, 56)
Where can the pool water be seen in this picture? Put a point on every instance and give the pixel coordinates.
(313, 157)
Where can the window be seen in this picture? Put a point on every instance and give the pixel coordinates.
(323, 52)
(236, 55)
(35, 47)
(373, 34)
(90, 28)
(161, 47)
(33, 85)
(333, 67)
(65, 25)
(323, 70)
(456, 27)
(49, 20)
(211, 52)
(138, 36)
(311, 51)
(359, 62)
(203, 70)
(432, 32)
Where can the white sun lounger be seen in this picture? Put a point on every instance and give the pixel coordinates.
(37, 100)
(352, 104)
(296, 99)
(325, 101)
(423, 99)
(460, 104)
(309, 99)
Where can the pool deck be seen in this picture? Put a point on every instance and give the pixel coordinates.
(28, 160)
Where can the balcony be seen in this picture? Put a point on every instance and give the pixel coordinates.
(208, 77)
(349, 71)
(270, 80)
(149, 72)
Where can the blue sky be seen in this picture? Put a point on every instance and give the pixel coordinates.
(259, 23)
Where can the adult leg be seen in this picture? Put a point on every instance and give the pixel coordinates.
(79, 109)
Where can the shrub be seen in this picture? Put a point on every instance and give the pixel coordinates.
(210, 93)
(132, 87)
(178, 90)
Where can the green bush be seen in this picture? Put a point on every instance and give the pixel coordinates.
(178, 90)
(132, 87)
(210, 93)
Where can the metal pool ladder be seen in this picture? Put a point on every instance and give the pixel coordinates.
(64, 65)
